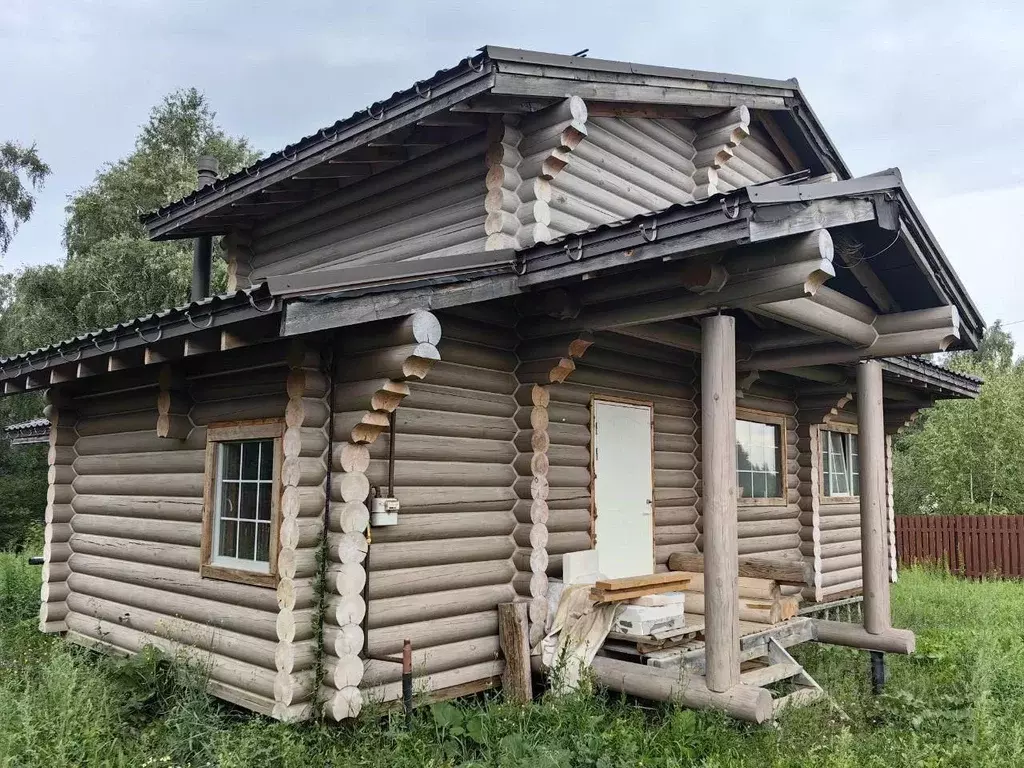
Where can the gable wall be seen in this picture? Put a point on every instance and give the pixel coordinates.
(430, 206)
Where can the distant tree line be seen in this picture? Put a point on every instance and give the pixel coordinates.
(966, 457)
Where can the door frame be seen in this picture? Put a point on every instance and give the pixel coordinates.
(593, 467)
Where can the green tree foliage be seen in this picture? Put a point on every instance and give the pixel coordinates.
(964, 456)
(16, 201)
(112, 272)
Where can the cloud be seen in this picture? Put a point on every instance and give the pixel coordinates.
(932, 88)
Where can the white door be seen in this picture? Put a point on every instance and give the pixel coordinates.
(623, 492)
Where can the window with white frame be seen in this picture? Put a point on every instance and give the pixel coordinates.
(240, 509)
(758, 462)
(840, 464)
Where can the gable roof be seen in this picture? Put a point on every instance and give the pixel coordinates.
(535, 80)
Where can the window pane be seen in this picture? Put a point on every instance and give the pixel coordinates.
(230, 460)
(228, 500)
(264, 498)
(856, 485)
(267, 460)
(774, 486)
(228, 538)
(746, 485)
(250, 461)
(263, 542)
(247, 501)
(760, 485)
(247, 541)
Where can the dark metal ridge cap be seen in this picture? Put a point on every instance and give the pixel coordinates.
(497, 53)
(469, 77)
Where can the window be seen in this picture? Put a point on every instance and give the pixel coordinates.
(758, 460)
(240, 508)
(840, 464)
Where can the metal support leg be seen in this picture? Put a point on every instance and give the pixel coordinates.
(878, 675)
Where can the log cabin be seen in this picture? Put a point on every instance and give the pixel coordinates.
(549, 304)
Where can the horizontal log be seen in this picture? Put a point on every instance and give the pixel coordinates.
(411, 361)
(437, 605)
(488, 396)
(218, 640)
(438, 658)
(430, 498)
(132, 421)
(248, 677)
(782, 570)
(444, 423)
(145, 507)
(212, 613)
(376, 394)
(128, 443)
(855, 636)
(343, 641)
(445, 525)
(481, 380)
(442, 471)
(411, 581)
(170, 485)
(453, 679)
(149, 552)
(411, 554)
(239, 409)
(140, 529)
(186, 582)
(441, 448)
(467, 626)
(741, 701)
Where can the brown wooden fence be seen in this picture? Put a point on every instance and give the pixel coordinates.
(973, 545)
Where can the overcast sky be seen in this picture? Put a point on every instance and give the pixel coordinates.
(936, 88)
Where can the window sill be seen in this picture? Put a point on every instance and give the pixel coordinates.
(238, 575)
(839, 500)
(772, 502)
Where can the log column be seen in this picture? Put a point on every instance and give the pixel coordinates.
(57, 548)
(871, 441)
(303, 472)
(721, 574)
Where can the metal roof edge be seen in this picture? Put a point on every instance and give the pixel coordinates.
(925, 371)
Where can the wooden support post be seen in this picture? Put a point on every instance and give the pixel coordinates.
(513, 623)
(874, 549)
(721, 557)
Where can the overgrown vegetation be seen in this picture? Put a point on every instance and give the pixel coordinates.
(958, 702)
(964, 456)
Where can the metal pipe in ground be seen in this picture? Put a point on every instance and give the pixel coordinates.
(407, 682)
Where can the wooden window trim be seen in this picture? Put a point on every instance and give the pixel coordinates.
(780, 421)
(824, 498)
(262, 429)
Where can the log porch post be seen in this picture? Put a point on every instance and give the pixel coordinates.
(871, 441)
(721, 558)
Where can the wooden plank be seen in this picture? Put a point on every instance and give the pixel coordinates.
(632, 582)
(599, 596)
(513, 629)
(781, 570)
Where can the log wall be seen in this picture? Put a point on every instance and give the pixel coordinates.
(608, 366)
(135, 527)
(772, 528)
(433, 205)
(437, 577)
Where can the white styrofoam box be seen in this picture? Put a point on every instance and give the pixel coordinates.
(644, 620)
(580, 567)
(663, 598)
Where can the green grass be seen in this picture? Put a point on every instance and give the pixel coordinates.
(958, 702)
